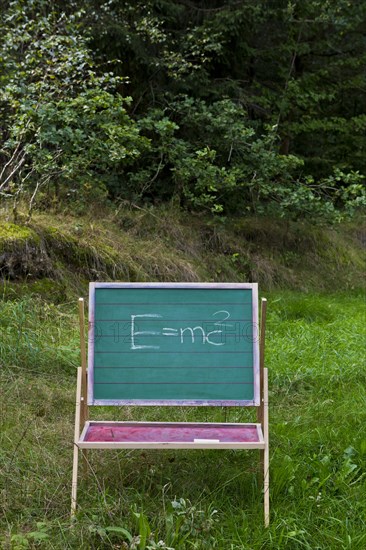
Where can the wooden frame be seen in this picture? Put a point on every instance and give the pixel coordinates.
(83, 425)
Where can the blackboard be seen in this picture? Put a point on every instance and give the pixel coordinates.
(173, 344)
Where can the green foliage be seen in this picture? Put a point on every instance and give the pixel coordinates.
(234, 108)
(66, 130)
(263, 102)
(210, 157)
(92, 137)
(20, 541)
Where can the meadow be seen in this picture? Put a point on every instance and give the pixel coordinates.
(170, 141)
(315, 354)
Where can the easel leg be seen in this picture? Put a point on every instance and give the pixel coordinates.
(74, 484)
(266, 486)
(266, 449)
(262, 414)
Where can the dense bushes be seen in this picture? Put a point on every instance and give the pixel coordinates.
(230, 107)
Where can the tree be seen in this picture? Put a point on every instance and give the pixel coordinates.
(65, 127)
(235, 106)
(243, 101)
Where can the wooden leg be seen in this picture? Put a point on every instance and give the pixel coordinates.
(74, 483)
(266, 449)
(266, 486)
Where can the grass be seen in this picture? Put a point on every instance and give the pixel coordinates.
(165, 244)
(198, 499)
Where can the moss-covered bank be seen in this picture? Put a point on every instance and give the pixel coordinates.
(59, 254)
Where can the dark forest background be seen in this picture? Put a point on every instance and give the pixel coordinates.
(231, 108)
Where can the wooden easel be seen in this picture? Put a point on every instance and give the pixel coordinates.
(82, 420)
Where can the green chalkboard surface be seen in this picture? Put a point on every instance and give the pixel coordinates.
(173, 344)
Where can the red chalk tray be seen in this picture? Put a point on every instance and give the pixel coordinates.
(111, 435)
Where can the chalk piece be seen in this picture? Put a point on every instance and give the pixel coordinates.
(206, 441)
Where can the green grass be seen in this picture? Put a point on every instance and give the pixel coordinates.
(198, 499)
(166, 244)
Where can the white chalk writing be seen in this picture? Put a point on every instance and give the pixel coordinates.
(197, 333)
(135, 333)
